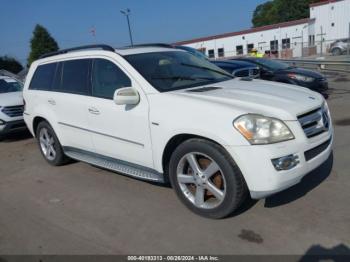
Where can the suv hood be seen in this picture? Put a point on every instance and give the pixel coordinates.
(11, 99)
(272, 99)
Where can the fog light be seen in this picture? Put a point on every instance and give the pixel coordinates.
(285, 162)
(2, 122)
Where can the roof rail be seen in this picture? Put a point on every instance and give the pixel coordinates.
(84, 47)
(151, 45)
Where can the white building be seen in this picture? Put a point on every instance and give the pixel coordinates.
(329, 20)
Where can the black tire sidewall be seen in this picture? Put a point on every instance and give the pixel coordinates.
(60, 157)
(232, 175)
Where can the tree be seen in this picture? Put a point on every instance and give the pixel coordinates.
(41, 43)
(277, 11)
(10, 64)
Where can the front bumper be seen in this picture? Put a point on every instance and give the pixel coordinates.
(12, 127)
(260, 174)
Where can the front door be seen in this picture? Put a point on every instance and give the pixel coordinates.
(119, 131)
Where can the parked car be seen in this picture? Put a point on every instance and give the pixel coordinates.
(11, 106)
(281, 72)
(238, 68)
(339, 47)
(161, 114)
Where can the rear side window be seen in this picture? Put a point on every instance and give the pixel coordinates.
(75, 76)
(106, 78)
(43, 77)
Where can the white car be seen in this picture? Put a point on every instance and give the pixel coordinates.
(11, 106)
(161, 114)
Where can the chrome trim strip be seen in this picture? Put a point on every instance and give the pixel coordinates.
(102, 134)
(129, 169)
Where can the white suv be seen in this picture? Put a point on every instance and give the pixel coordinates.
(11, 106)
(161, 114)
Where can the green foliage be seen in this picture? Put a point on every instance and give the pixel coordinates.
(277, 11)
(41, 43)
(10, 64)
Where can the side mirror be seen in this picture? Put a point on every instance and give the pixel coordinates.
(126, 96)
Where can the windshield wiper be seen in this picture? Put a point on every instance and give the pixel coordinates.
(182, 78)
(208, 69)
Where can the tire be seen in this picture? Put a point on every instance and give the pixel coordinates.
(193, 187)
(47, 138)
(336, 51)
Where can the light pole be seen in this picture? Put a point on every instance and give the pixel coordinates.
(302, 40)
(127, 13)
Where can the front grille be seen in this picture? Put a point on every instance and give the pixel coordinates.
(314, 122)
(13, 111)
(310, 154)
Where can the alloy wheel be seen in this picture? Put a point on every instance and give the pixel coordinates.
(201, 180)
(47, 142)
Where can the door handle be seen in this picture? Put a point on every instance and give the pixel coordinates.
(94, 111)
(51, 102)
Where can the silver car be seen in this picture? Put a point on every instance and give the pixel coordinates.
(339, 47)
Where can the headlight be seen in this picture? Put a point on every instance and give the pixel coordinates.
(301, 77)
(258, 129)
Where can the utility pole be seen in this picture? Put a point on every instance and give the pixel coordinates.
(302, 42)
(127, 13)
(321, 40)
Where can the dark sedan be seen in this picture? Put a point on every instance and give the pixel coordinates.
(280, 72)
(238, 68)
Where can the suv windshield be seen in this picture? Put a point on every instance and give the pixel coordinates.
(8, 85)
(173, 70)
(271, 64)
(193, 51)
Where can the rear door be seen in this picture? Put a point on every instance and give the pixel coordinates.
(70, 98)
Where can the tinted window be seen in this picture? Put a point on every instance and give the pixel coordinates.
(106, 78)
(56, 85)
(250, 47)
(274, 45)
(75, 76)
(221, 52)
(43, 76)
(8, 85)
(239, 50)
(211, 53)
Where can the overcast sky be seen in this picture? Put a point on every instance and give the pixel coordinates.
(70, 21)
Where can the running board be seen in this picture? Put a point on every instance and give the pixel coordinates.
(116, 165)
